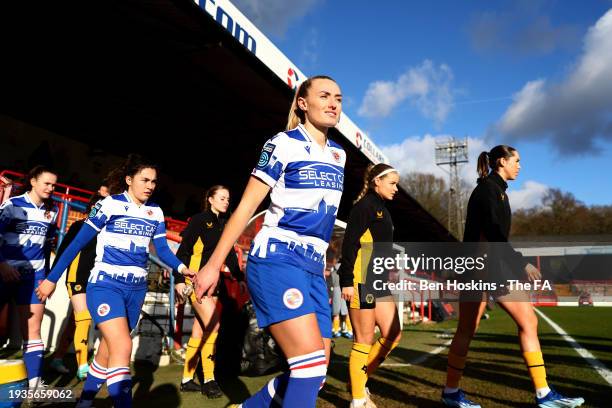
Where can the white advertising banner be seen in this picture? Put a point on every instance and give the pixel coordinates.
(246, 33)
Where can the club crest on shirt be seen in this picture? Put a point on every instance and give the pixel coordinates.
(379, 214)
(149, 213)
(209, 225)
(293, 298)
(336, 156)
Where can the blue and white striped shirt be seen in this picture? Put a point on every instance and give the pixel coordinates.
(25, 230)
(125, 231)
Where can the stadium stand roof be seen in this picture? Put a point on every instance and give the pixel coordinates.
(196, 86)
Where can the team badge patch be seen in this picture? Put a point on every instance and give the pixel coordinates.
(95, 209)
(369, 298)
(266, 155)
(293, 298)
(336, 156)
(77, 287)
(209, 225)
(103, 309)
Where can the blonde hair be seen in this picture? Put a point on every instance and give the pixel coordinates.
(370, 174)
(297, 115)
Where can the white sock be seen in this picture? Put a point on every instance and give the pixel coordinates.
(542, 392)
(448, 390)
(186, 380)
(208, 380)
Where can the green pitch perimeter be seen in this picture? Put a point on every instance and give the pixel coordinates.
(495, 375)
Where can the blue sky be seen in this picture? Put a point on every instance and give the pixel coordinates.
(533, 74)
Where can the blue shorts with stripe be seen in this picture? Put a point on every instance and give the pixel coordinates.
(282, 288)
(112, 297)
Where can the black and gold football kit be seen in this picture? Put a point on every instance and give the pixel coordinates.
(200, 238)
(78, 271)
(368, 235)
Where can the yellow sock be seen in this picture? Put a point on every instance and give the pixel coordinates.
(191, 358)
(380, 350)
(347, 321)
(454, 370)
(358, 369)
(535, 365)
(208, 356)
(336, 324)
(82, 321)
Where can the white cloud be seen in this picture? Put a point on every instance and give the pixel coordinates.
(274, 16)
(527, 197)
(417, 154)
(427, 87)
(574, 112)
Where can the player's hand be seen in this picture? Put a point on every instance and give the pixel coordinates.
(188, 273)
(532, 273)
(44, 290)
(8, 273)
(394, 276)
(179, 288)
(205, 281)
(347, 293)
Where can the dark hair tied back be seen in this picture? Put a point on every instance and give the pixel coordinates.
(132, 166)
(490, 161)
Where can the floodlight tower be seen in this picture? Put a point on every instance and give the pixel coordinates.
(452, 153)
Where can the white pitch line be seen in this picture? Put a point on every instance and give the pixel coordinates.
(420, 359)
(601, 369)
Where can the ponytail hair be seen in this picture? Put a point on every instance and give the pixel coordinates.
(490, 161)
(34, 173)
(371, 173)
(132, 166)
(296, 114)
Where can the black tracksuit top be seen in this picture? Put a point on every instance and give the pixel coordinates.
(369, 222)
(489, 218)
(200, 238)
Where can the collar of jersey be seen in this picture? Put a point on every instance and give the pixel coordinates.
(375, 196)
(26, 197)
(129, 200)
(498, 180)
(310, 138)
(127, 197)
